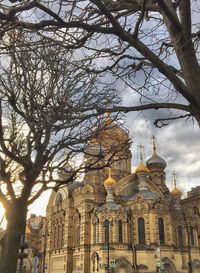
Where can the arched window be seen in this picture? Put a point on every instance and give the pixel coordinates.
(94, 233)
(180, 236)
(62, 235)
(58, 237)
(106, 231)
(54, 236)
(161, 231)
(78, 236)
(196, 210)
(120, 231)
(141, 230)
(191, 236)
(76, 224)
(95, 260)
(58, 202)
(97, 231)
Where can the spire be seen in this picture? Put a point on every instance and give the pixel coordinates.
(109, 185)
(141, 168)
(154, 143)
(155, 162)
(109, 172)
(176, 192)
(141, 152)
(174, 179)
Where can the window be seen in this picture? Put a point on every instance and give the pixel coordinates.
(77, 229)
(78, 236)
(141, 231)
(62, 236)
(196, 210)
(54, 236)
(58, 202)
(106, 231)
(97, 231)
(94, 233)
(191, 232)
(161, 231)
(59, 237)
(95, 260)
(120, 230)
(180, 236)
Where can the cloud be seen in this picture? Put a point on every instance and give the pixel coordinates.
(178, 143)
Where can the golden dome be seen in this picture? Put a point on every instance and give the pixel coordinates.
(109, 132)
(176, 193)
(141, 168)
(109, 181)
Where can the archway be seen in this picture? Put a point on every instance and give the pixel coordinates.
(169, 266)
(123, 266)
(196, 266)
(95, 261)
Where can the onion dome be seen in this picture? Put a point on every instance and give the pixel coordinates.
(109, 181)
(176, 192)
(141, 168)
(109, 131)
(156, 162)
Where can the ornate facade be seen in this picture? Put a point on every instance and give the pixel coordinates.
(128, 221)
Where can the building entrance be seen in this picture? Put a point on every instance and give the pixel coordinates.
(169, 267)
(123, 266)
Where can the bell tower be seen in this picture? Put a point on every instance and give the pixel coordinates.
(110, 147)
(156, 166)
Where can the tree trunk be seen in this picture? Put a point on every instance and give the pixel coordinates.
(16, 222)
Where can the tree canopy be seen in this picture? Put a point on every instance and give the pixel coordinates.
(49, 114)
(151, 45)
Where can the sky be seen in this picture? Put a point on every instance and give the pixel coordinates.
(177, 143)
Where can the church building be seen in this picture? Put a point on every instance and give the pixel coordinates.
(119, 221)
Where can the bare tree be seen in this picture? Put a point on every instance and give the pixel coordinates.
(152, 45)
(48, 115)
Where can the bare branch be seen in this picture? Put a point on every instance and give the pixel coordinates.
(126, 109)
(161, 122)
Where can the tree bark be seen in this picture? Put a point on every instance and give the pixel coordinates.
(16, 222)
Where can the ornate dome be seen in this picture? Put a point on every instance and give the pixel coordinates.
(109, 131)
(156, 162)
(176, 192)
(109, 181)
(141, 168)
